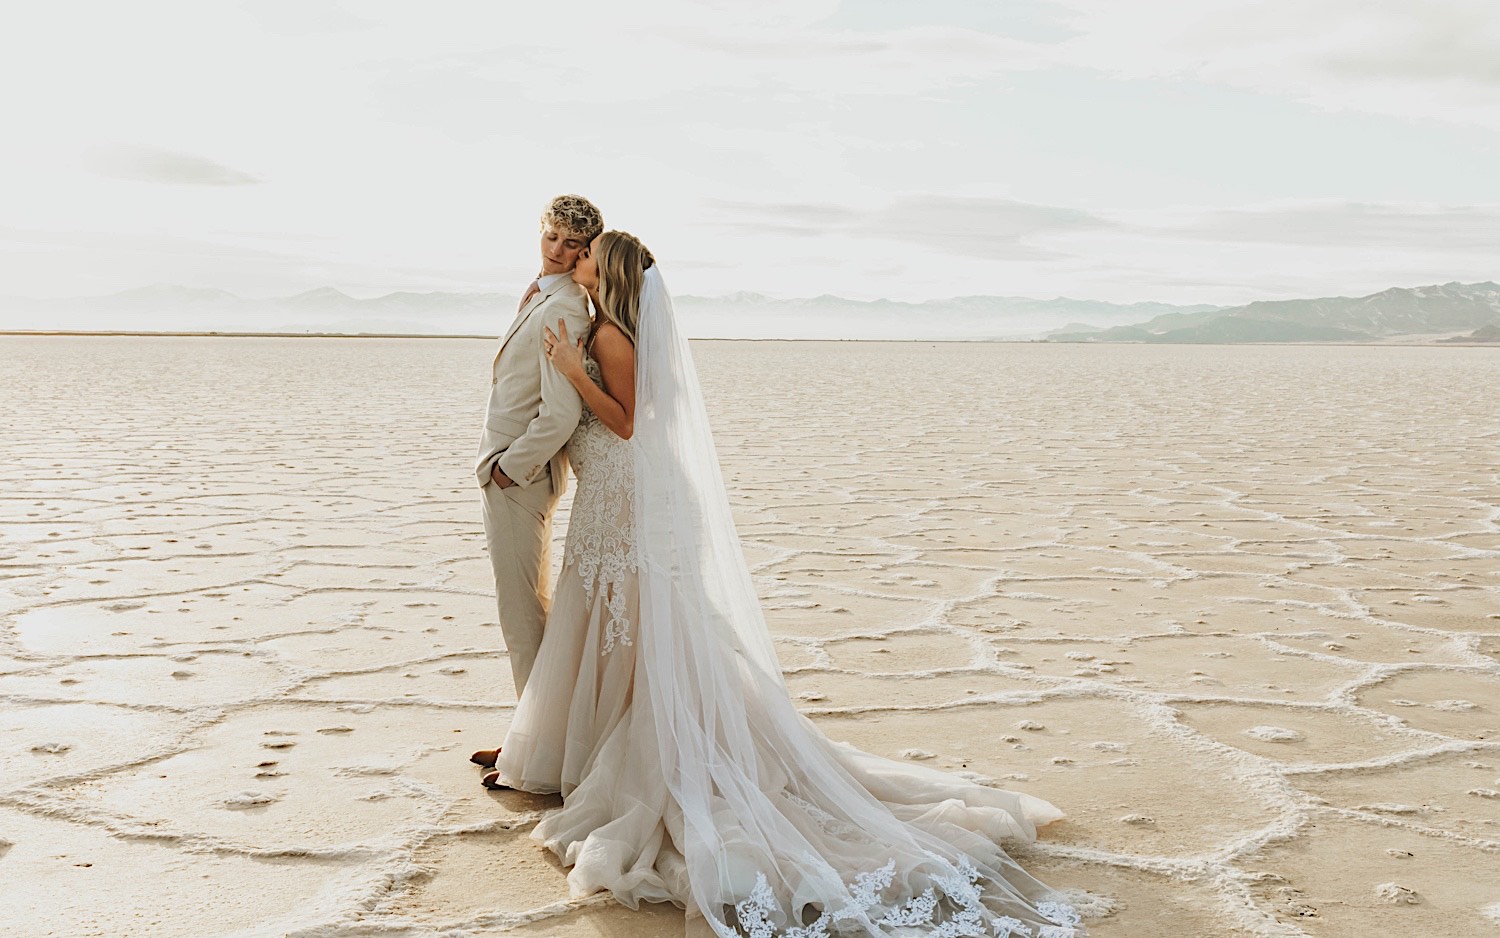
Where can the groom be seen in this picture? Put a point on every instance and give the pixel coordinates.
(532, 411)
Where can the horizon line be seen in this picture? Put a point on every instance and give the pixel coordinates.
(341, 292)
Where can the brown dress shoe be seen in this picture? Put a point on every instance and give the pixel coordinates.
(491, 780)
(485, 758)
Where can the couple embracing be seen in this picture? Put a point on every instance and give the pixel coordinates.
(650, 695)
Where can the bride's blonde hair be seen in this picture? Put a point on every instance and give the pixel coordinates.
(622, 261)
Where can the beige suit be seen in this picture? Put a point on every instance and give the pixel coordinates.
(532, 411)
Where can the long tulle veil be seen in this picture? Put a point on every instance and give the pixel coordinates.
(783, 832)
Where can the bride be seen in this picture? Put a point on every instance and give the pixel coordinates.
(658, 709)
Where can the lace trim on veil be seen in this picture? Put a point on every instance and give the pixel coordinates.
(956, 898)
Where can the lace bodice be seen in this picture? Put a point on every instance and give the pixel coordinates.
(601, 535)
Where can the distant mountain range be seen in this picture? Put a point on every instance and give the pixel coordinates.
(168, 308)
(1450, 312)
(752, 315)
(172, 308)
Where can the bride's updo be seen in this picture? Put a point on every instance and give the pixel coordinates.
(622, 261)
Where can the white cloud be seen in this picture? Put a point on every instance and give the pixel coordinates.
(1458, 229)
(972, 227)
(1417, 59)
(150, 164)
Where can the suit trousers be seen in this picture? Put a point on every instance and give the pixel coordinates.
(518, 533)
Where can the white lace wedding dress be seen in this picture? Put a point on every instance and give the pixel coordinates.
(687, 775)
(578, 698)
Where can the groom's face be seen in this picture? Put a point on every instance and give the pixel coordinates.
(560, 250)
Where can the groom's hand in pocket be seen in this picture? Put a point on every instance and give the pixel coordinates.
(499, 478)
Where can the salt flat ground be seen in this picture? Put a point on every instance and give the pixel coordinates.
(1235, 610)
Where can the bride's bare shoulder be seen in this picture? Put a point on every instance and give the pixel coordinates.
(610, 341)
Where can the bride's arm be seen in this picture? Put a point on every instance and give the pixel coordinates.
(614, 404)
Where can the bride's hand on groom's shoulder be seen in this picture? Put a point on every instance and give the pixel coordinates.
(565, 354)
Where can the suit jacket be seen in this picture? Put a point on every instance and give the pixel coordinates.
(533, 409)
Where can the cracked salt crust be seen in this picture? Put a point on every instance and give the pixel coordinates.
(1258, 635)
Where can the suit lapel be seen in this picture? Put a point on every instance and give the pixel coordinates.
(525, 314)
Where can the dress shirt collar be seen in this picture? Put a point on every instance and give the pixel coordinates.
(548, 282)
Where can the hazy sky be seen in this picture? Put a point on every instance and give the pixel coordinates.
(1203, 151)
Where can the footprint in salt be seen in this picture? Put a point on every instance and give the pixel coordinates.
(361, 771)
(332, 730)
(1273, 734)
(249, 799)
(52, 749)
(1397, 894)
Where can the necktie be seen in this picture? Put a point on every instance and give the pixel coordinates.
(531, 291)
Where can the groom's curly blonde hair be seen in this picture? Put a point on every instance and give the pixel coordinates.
(573, 216)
